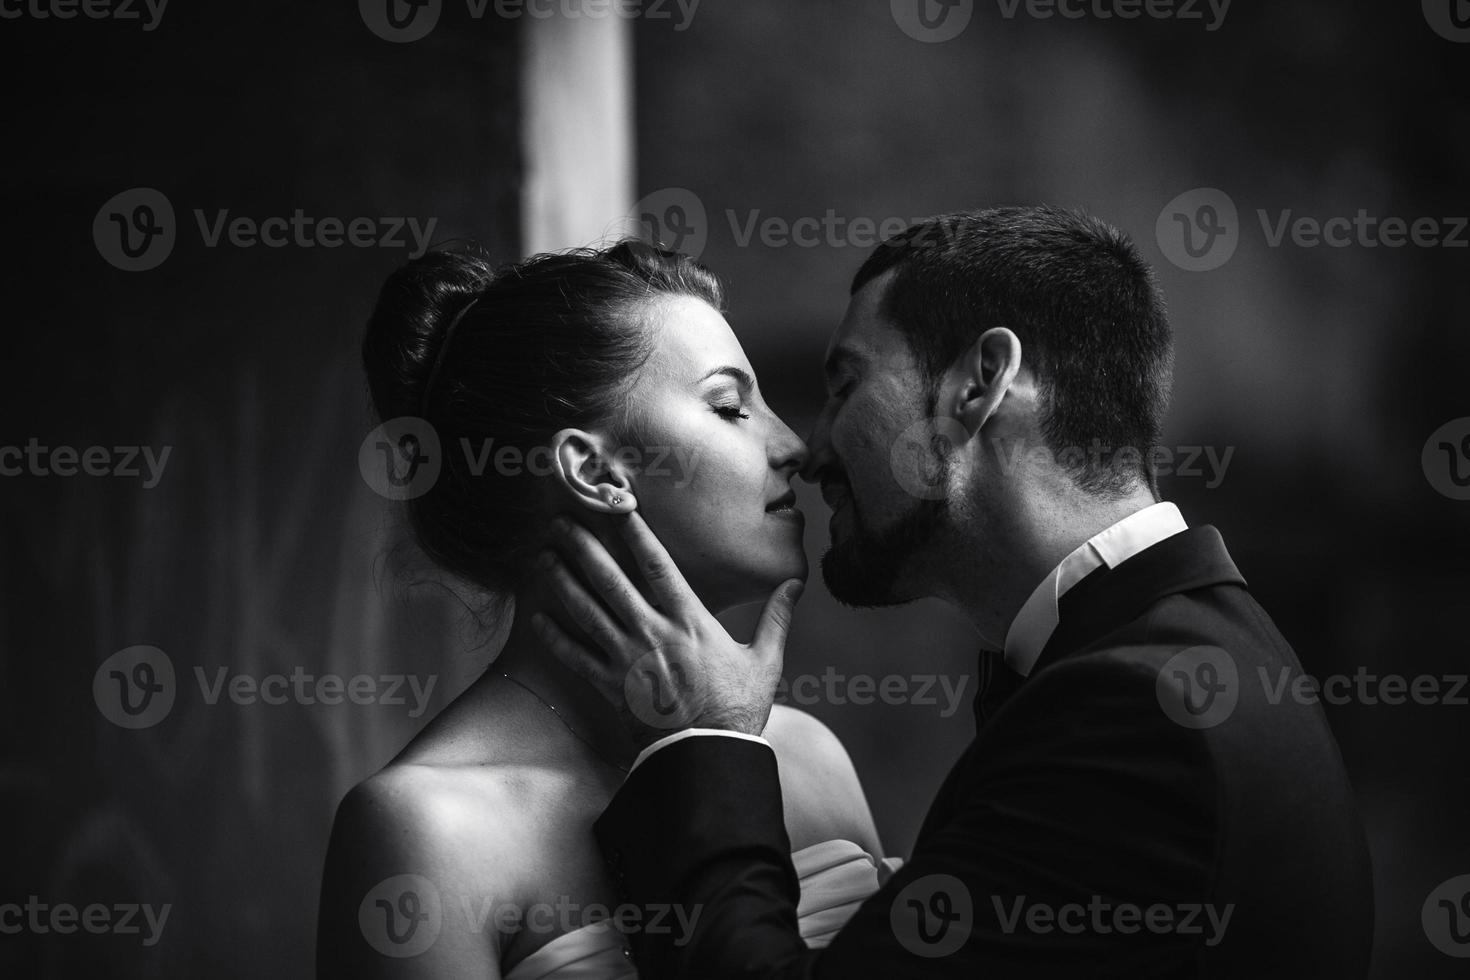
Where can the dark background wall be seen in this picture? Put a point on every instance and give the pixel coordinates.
(261, 549)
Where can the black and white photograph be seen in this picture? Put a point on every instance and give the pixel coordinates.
(736, 489)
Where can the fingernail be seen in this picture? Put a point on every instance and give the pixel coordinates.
(546, 559)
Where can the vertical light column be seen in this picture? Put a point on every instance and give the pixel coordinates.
(577, 130)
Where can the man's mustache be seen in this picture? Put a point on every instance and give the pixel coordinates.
(835, 488)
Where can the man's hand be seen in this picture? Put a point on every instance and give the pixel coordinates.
(665, 668)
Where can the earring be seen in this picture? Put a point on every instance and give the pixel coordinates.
(615, 499)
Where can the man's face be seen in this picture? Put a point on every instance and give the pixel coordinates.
(876, 394)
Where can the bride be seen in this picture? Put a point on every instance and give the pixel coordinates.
(616, 379)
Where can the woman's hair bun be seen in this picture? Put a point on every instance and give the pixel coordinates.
(407, 330)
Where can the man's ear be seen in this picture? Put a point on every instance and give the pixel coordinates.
(594, 476)
(981, 378)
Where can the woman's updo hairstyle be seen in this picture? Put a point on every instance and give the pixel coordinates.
(552, 342)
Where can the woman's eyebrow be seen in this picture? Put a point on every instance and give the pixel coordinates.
(740, 376)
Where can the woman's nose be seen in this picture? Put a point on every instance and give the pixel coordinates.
(788, 450)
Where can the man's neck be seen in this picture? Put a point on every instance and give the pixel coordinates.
(997, 567)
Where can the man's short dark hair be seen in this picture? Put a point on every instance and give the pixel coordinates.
(1084, 304)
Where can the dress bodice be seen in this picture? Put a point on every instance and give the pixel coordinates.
(836, 876)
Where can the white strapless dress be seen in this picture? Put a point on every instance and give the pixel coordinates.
(836, 877)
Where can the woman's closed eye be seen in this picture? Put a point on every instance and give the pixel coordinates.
(730, 412)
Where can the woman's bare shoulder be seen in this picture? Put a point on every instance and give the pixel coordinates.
(450, 823)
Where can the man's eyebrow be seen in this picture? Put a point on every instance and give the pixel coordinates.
(730, 371)
(842, 357)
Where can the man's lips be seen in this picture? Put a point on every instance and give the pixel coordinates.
(836, 494)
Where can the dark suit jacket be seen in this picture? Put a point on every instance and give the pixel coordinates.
(1149, 778)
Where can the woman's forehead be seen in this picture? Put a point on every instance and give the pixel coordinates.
(691, 338)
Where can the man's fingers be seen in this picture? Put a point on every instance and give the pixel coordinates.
(603, 573)
(664, 579)
(573, 655)
(775, 622)
(584, 609)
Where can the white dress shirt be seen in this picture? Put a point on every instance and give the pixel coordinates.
(1037, 620)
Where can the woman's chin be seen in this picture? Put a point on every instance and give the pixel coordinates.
(756, 585)
(771, 577)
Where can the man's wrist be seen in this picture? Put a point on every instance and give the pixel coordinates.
(682, 734)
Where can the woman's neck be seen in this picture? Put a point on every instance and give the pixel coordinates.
(591, 719)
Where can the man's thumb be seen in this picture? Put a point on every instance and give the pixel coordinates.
(775, 621)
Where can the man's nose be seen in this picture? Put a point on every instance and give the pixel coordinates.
(819, 447)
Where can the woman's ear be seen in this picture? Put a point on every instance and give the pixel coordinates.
(594, 476)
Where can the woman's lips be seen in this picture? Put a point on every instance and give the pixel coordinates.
(784, 506)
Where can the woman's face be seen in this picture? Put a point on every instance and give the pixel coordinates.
(720, 499)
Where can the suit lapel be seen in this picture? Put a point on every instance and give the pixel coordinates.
(1113, 597)
(1099, 604)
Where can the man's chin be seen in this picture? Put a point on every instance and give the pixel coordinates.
(858, 586)
(867, 568)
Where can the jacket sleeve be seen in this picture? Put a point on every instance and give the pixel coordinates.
(1067, 843)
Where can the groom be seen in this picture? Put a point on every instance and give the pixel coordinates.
(1132, 804)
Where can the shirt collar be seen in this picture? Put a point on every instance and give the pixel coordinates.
(1038, 617)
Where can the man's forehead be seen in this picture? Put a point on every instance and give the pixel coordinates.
(864, 331)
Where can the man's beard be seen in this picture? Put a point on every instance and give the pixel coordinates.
(864, 570)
